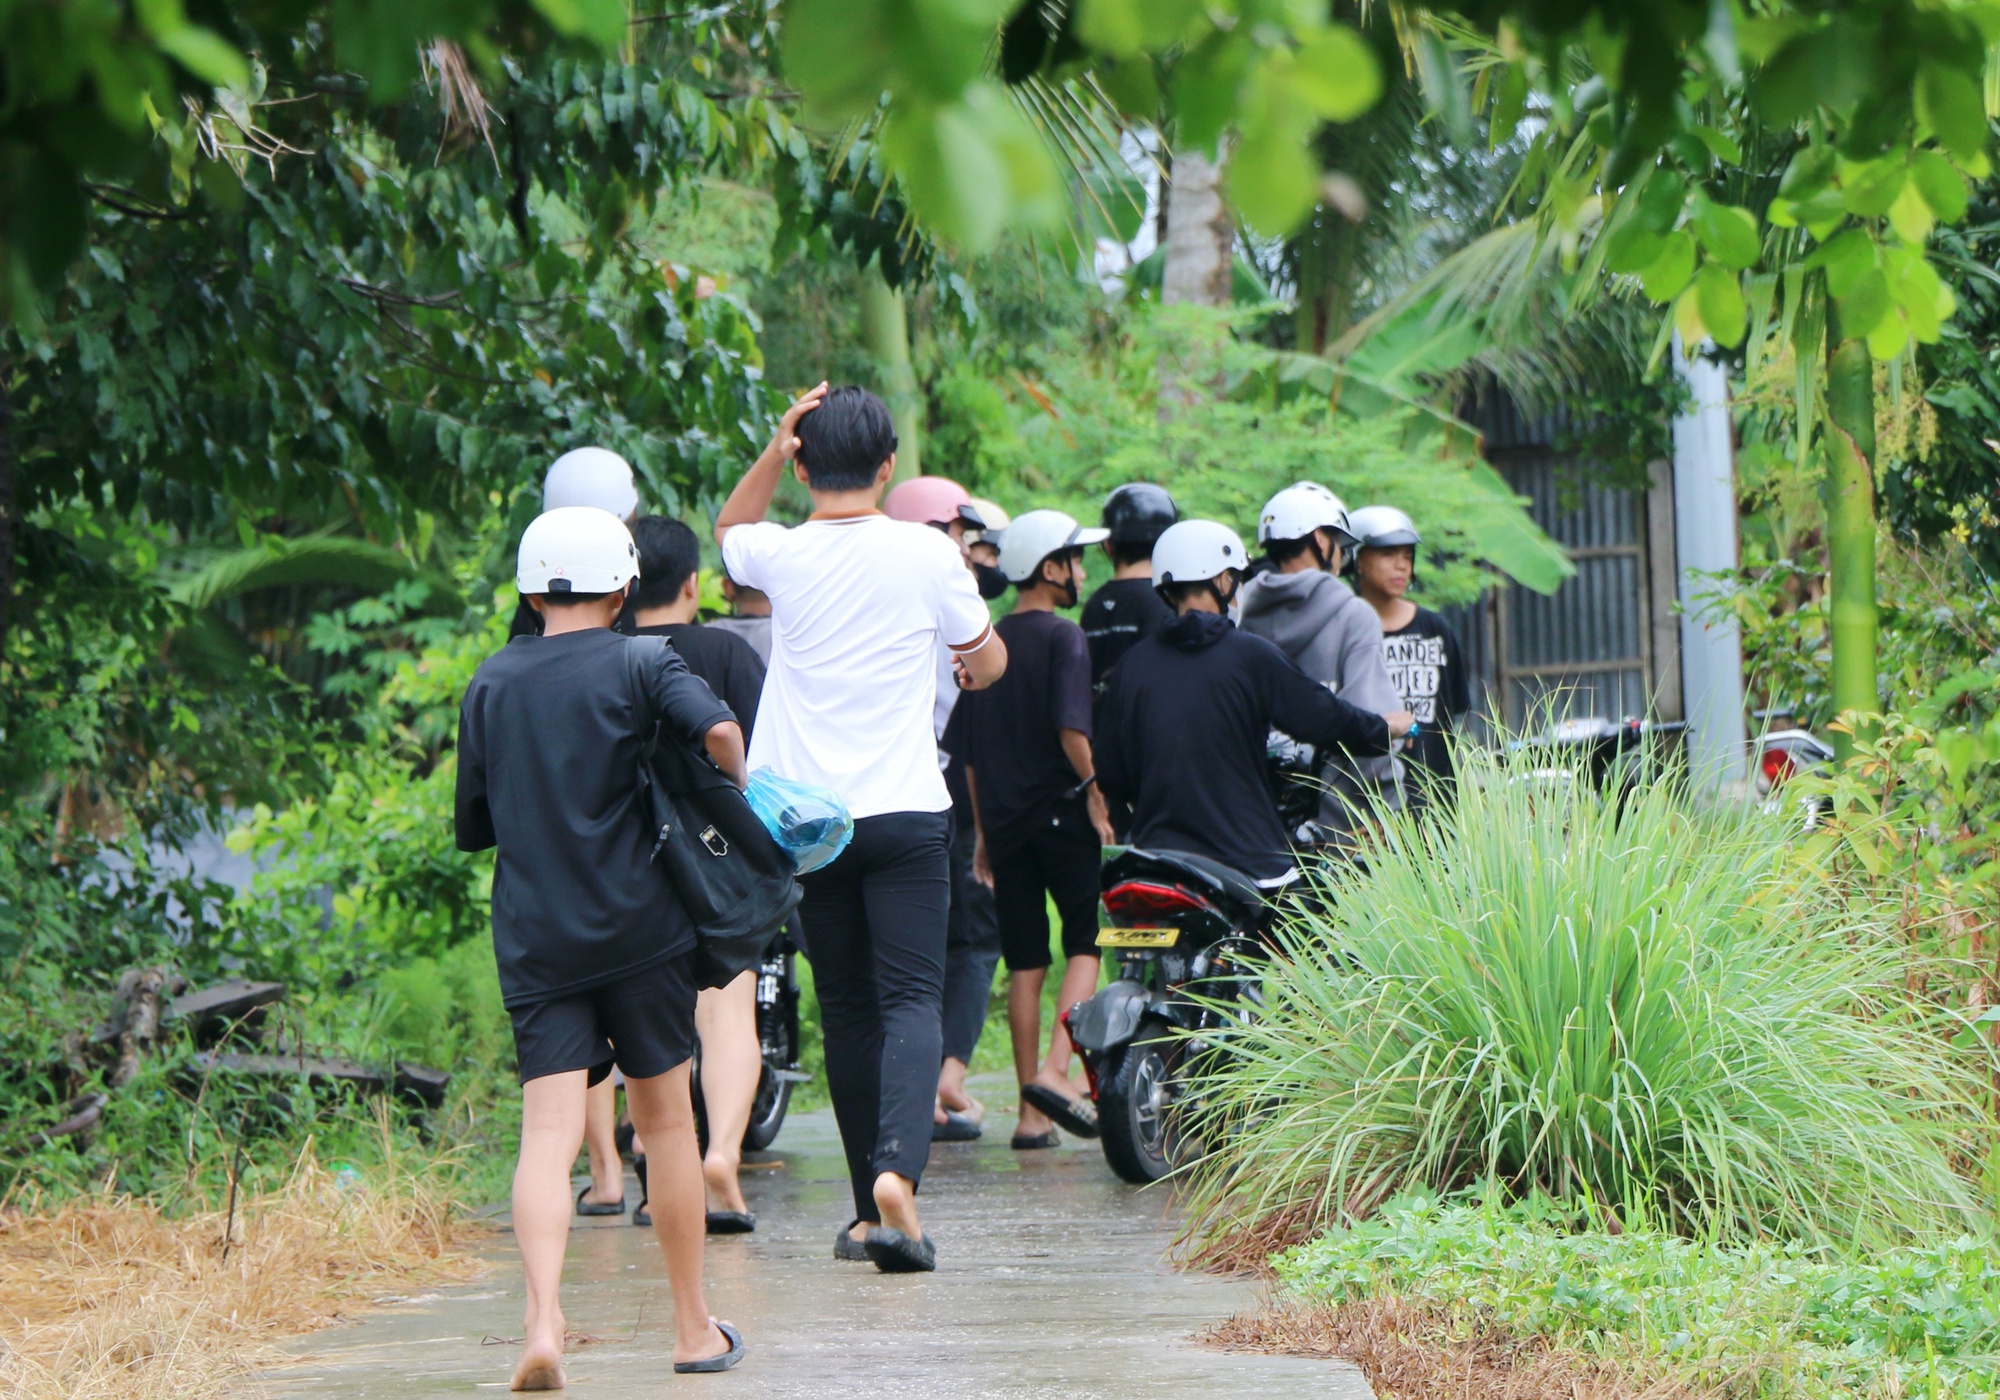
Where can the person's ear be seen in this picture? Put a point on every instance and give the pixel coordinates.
(691, 588)
(538, 603)
(799, 471)
(885, 471)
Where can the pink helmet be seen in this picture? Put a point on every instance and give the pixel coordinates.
(932, 500)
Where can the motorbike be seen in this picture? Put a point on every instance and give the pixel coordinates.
(1187, 933)
(1615, 754)
(778, 1034)
(1784, 754)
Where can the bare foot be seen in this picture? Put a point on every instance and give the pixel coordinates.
(540, 1368)
(896, 1198)
(714, 1344)
(725, 1192)
(958, 1101)
(1061, 1083)
(598, 1196)
(1032, 1122)
(858, 1232)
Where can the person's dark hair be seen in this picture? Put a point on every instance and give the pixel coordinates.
(571, 600)
(1174, 594)
(845, 441)
(669, 553)
(1133, 553)
(1284, 551)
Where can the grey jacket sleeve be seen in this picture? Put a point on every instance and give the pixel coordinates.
(1362, 679)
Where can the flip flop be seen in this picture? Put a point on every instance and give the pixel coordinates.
(715, 1363)
(584, 1207)
(957, 1127)
(1079, 1115)
(1035, 1142)
(731, 1222)
(896, 1253)
(846, 1248)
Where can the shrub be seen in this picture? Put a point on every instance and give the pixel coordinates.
(1657, 1012)
(1764, 1319)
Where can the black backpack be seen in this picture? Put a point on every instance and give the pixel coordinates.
(738, 884)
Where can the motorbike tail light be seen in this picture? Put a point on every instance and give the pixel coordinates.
(1776, 764)
(1139, 899)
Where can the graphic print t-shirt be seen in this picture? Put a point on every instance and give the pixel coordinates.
(1428, 670)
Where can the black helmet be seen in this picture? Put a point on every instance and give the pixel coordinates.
(1138, 513)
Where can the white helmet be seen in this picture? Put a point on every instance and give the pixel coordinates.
(1195, 551)
(1382, 527)
(1297, 511)
(576, 549)
(591, 476)
(1036, 534)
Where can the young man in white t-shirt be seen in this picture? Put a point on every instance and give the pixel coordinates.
(859, 604)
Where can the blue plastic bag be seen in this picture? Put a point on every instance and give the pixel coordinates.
(810, 823)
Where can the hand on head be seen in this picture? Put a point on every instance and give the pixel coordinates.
(786, 438)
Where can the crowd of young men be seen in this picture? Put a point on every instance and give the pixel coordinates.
(986, 765)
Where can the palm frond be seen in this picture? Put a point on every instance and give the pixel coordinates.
(336, 560)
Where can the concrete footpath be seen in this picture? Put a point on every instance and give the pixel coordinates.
(1050, 1283)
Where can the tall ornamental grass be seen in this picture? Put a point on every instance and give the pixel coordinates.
(1653, 1013)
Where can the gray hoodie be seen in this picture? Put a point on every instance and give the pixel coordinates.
(1336, 639)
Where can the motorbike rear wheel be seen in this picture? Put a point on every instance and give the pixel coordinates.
(1135, 1105)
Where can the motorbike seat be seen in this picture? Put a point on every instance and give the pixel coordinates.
(1210, 876)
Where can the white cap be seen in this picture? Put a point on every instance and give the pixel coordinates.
(1036, 534)
(1383, 527)
(1195, 551)
(591, 476)
(1297, 511)
(576, 549)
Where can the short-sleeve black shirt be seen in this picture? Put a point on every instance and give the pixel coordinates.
(1428, 670)
(1013, 729)
(1118, 614)
(728, 663)
(550, 736)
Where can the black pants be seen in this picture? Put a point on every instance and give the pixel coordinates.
(875, 931)
(971, 951)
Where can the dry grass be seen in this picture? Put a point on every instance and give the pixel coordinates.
(108, 1297)
(1416, 1351)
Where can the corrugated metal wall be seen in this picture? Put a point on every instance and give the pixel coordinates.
(1589, 648)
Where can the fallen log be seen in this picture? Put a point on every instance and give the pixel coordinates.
(425, 1085)
(211, 1011)
(142, 1024)
(83, 1115)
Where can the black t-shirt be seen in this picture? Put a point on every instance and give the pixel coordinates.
(1013, 729)
(729, 665)
(1120, 613)
(1428, 670)
(550, 737)
(1181, 734)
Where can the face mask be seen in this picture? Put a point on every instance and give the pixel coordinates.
(992, 583)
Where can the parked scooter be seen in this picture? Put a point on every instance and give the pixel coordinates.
(1614, 754)
(1784, 754)
(1186, 933)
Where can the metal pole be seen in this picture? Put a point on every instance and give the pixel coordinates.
(1705, 544)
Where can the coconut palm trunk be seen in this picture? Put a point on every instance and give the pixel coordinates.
(1201, 236)
(885, 327)
(1850, 523)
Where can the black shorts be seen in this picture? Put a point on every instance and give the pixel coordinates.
(1058, 861)
(644, 1023)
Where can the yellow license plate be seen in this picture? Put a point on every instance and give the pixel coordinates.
(1137, 937)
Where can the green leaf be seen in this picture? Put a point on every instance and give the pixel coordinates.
(1632, 248)
(1720, 297)
(1272, 178)
(1890, 335)
(1670, 271)
(1720, 145)
(602, 22)
(1661, 199)
(1866, 303)
(1510, 540)
(1847, 259)
(1949, 102)
(1206, 85)
(1868, 188)
(1337, 74)
(1942, 187)
(956, 180)
(1510, 104)
(836, 53)
(1727, 233)
(1117, 27)
(1810, 171)
(1911, 215)
(207, 55)
(1687, 318)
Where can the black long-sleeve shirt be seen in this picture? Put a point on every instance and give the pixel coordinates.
(550, 736)
(1181, 735)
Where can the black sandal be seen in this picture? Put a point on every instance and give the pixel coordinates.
(731, 1222)
(584, 1207)
(1079, 1114)
(1035, 1142)
(715, 1363)
(957, 1127)
(896, 1253)
(846, 1248)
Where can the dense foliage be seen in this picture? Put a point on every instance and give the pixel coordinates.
(1664, 1013)
(1746, 1320)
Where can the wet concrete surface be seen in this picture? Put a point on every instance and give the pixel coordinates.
(1050, 1282)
